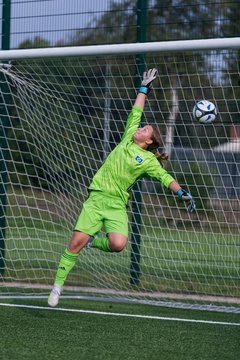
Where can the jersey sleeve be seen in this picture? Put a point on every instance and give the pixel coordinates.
(156, 172)
(133, 121)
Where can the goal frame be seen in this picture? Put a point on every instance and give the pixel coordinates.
(115, 49)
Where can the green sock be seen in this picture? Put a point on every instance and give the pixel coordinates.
(66, 264)
(101, 244)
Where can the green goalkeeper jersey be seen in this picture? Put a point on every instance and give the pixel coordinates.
(128, 163)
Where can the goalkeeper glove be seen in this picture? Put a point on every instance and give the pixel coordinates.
(187, 197)
(148, 78)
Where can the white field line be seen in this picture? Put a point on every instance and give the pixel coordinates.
(122, 315)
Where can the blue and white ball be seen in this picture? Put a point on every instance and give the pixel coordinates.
(205, 112)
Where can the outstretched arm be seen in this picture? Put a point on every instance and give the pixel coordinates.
(174, 186)
(156, 172)
(140, 100)
(136, 113)
(146, 87)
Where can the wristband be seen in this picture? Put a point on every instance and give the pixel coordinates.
(180, 193)
(143, 90)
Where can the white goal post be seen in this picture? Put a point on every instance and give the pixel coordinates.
(62, 111)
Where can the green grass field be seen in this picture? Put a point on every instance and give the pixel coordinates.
(173, 260)
(42, 333)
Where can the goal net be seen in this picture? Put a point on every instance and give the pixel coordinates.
(61, 117)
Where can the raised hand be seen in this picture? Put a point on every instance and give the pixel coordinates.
(187, 197)
(148, 77)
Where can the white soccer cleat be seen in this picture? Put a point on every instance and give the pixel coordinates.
(53, 298)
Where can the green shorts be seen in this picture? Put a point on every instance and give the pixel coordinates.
(102, 211)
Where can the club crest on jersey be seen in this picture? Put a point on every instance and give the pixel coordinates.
(139, 159)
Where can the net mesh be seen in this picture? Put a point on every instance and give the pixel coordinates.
(64, 117)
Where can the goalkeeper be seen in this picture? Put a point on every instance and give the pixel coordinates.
(135, 157)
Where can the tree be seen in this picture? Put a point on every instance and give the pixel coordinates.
(37, 42)
(187, 74)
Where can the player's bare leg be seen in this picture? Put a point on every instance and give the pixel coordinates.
(67, 261)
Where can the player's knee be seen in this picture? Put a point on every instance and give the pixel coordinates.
(117, 247)
(117, 244)
(78, 240)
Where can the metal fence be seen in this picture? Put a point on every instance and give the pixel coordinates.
(41, 23)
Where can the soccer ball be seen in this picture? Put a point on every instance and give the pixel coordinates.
(205, 111)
